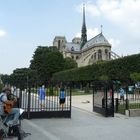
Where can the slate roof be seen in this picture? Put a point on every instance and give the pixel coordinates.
(95, 41)
(72, 46)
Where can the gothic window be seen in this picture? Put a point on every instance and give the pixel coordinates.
(94, 56)
(72, 57)
(77, 57)
(72, 48)
(106, 54)
(109, 55)
(99, 54)
(58, 44)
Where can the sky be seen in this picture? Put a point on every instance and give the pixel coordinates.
(26, 24)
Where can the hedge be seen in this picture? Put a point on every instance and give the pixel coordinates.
(119, 69)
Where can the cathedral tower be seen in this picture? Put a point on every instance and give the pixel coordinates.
(84, 30)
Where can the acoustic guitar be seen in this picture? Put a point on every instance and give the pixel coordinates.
(8, 108)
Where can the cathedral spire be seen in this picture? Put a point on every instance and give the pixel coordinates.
(84, 30)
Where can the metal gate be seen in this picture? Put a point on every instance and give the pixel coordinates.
(103, 98)
(29, 101)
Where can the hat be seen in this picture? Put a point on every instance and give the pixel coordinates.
(6, 89)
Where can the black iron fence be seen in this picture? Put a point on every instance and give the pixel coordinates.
(131, 101)
(103, 98)
(49, 107)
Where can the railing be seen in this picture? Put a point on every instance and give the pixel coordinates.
(131, 101)
(49, 107)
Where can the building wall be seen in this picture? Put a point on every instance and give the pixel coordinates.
(59, 42)
(85, 57)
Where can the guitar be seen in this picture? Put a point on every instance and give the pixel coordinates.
(8, 107)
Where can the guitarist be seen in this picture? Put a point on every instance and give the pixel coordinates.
(6, 108)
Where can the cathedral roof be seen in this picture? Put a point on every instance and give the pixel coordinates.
(96, 41)
(72, 46)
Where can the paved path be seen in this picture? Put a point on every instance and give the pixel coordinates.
(83, 125)
(84, 102)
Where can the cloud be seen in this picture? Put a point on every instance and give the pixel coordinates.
(89, 7)
(2, 33)
(93, 32)
(123, 13)
(90, 33)
(114, 42)
(123, 16)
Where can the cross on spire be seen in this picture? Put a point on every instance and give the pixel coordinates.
(101, 28)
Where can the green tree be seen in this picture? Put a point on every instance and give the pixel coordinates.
(46, 61)
(23, 77)
(5, 79)
(135, 76)
(1, 84)
(70, 63)
(54, 62)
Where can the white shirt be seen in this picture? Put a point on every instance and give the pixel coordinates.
(3, 97)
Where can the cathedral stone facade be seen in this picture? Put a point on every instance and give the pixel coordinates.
(85, 52)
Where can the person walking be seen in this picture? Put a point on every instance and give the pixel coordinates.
(62, 97)
(122, 93)
(41, 92)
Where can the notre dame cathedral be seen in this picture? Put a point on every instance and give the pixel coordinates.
(85, 52)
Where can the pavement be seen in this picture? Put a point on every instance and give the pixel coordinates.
(84, 124)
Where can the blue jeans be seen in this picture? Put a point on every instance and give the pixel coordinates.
(13, 115)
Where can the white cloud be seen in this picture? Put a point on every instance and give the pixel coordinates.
(2, 33)
(90, 33)
(123, 13)
(114, 42)
(90, 8)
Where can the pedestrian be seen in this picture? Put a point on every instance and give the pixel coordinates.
(62, 97)
(41, 92)
(122, 93)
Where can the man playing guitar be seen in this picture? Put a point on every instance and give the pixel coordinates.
(6, 107)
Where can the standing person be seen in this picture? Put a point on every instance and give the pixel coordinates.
(42, 97)
(62, 97)
(6, 107)
(122, 93)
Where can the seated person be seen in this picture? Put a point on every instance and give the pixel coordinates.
(6, 108)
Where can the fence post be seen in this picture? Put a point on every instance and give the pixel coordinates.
(70, 98)
(117, 105)
(112, 106)
(127, 101)
(93, 97)
(106, 100)
(29, 100)
(20, 98)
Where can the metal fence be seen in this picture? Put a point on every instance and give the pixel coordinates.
(30, 102)
(103, 98)
(131, 101)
